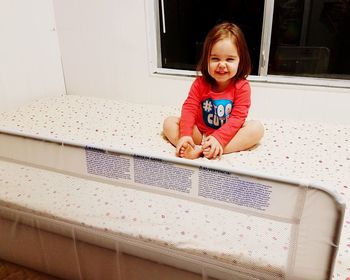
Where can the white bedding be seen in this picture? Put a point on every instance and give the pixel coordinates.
(304, 150)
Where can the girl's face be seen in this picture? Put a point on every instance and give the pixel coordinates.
(223, 63)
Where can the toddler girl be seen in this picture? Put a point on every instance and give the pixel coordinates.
(213, 117)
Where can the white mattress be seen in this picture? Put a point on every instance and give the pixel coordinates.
(306, 151)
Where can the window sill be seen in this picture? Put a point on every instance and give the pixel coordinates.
(270, 79)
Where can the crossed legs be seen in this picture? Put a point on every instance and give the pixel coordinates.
(248, 136)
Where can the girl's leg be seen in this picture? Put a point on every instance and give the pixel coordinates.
(171, 130)
(248, 136)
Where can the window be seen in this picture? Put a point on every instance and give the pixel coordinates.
(311, 38)
(286, 38)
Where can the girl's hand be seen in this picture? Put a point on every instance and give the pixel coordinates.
(182, 144)
(212, 148)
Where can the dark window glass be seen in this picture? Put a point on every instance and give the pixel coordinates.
(188, 21)
(311, 38)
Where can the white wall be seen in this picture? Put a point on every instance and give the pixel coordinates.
(301, 103)
(104, 49)
(104, 45)
(30, 65)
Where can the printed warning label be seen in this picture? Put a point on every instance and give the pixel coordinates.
(227, 187)
(109, 165)
(163, 174)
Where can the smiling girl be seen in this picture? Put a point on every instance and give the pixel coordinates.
(213, 117)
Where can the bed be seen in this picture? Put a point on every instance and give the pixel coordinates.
(91, 188)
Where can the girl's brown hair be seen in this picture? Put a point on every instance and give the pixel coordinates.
(217, 33)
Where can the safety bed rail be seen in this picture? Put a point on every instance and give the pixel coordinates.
(314, 213)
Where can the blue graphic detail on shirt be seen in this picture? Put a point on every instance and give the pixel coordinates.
(216, 112)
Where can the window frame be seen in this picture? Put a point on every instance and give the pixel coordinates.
(154, 52)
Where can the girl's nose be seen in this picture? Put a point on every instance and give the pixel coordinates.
(222, 64)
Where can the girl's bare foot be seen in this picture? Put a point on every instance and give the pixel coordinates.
(192, 153)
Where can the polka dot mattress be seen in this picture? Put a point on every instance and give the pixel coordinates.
(307, 150)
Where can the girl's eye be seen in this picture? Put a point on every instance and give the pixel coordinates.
(214, 59)
(230, 59)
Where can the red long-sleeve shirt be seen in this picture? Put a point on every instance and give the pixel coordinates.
(220, 114)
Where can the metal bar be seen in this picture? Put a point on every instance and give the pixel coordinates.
(163, 16)
(266, 37)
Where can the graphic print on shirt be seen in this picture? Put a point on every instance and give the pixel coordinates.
(216, 112)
